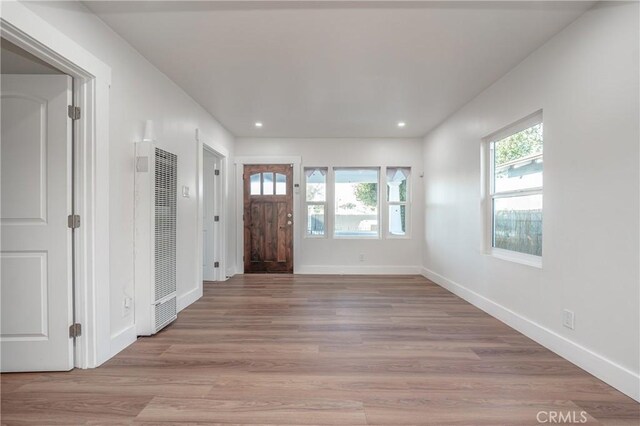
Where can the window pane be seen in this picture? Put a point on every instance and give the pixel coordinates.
(281, 184)
(517, 224)
(267, 184)
(315, 220)
(356, 205)
(397, 184)
(518, 160)
(316, 189)
(254, 181)
(397, 219)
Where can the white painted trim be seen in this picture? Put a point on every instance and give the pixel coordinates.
(199, 214)
(92, 79)
(221, 203)
(297, 230)
(621, 378)
(123, 339)
(189, 297)
(514, 256)
(358, 270)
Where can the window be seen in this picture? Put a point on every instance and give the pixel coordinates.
(515, 188)
(397, 198)
(347, 203)
(316, 201)
(264, 184)
(356, 202)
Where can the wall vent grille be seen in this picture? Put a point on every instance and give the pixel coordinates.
(165, 313)
(166, 171)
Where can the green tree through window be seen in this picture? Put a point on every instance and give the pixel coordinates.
(367, 193)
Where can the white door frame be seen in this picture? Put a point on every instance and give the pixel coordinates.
(92, 79)
(218, 210)
(222, 195)
(240, 163)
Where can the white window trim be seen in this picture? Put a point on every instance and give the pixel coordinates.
(488, 195)
(333, 202)
(325, 203)
(407, 204)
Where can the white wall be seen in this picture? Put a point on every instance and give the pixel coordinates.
(139, 92)
(586, 81)
(342, 255)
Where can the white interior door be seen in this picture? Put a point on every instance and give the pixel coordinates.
(35, 249)
(208, 215)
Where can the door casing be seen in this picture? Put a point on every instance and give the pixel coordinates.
(213, 194)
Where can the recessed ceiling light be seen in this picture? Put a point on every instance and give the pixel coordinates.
(401, 124)
(258, 124)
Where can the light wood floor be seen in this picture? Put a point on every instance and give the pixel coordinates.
(322, 350)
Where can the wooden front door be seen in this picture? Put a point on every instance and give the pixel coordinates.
(268, 218)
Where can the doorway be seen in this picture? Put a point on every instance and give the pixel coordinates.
(268, 218)
(212, 232)
(84, 318)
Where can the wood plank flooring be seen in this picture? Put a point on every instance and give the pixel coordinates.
(284, 349)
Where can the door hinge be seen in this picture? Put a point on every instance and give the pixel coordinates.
(73, 221)
(216, 264)
(216, 172)
(75, 330)
(216, 218)
(73, 112)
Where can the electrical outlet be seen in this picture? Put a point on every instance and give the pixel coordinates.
(126, 305)
(361, 257)
(568, 319)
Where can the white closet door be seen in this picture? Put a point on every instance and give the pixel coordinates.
(36, 278)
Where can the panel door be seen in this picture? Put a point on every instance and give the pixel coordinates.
(268, 218)
(35, 250)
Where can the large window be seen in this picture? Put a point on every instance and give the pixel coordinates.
(515, 188)
(315, 201)
(356, 202)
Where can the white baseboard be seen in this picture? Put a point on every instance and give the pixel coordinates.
(358, 270)
(621, 378)
(122, 339)
(189, 297)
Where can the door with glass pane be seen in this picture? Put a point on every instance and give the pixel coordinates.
(268, 218)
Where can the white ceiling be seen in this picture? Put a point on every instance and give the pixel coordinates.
(335, 69)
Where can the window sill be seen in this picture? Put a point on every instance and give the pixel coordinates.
(315, 237)
(397, 237)
(521, 258)
(357, 237)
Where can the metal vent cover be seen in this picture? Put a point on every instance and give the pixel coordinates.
(166, 171)
(165, 313)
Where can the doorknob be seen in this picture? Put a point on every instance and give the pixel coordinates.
(289, 222)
